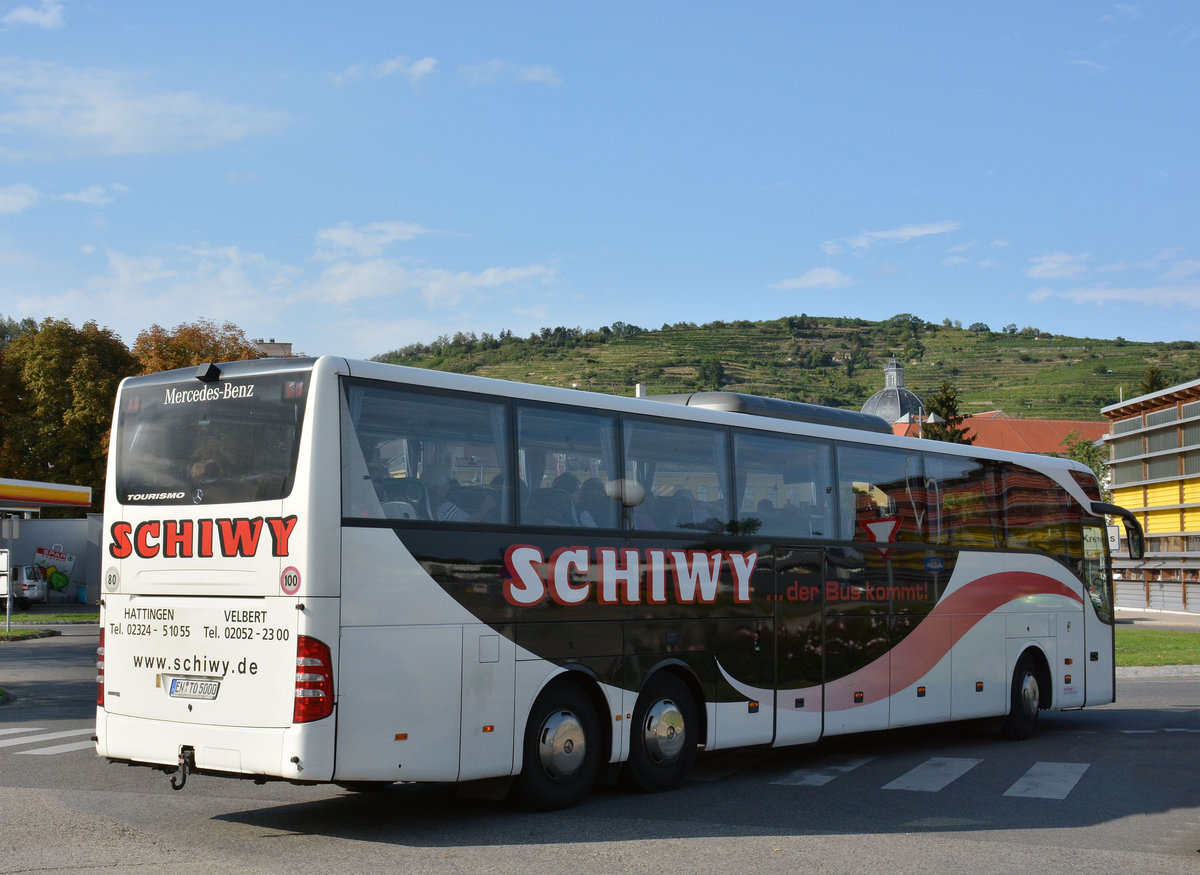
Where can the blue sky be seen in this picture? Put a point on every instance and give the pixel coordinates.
(355, 177)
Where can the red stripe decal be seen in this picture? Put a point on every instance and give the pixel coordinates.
(920, 651)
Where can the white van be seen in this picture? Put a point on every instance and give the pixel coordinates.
(26, 586)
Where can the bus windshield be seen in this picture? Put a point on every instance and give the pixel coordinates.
(235, 439)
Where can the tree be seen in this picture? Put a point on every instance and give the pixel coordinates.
(1153, 380)
(191, 343)
(58, 384)
(980, 328)
(11, 329)
(711, 373)
(1080, 449)
(944, 403)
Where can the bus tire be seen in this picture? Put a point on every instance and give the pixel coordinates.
(1024, 699)
(664, 735)
(562, 748)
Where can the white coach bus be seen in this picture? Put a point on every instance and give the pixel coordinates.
(337, 571)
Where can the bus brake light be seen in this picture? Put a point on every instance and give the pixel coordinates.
(314, 680)
(100, 670)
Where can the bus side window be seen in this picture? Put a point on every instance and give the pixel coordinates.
(422, 455)
(684, 470)
(962, 502)
(882, 494)
(1034, 512)
(566, 458)
(784, 486)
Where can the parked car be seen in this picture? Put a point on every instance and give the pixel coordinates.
(26, 585)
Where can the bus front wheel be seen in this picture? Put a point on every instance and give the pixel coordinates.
(664, 735)
(562, 748)
(1024, 699)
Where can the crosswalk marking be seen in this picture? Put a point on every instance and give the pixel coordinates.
(59, 748)
(1048, 781)
(48, 736)
(827, 770)
(20, 729)
(933, 774)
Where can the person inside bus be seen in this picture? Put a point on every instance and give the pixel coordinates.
(595, 508)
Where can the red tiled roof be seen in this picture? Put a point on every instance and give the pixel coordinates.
(1000, 432)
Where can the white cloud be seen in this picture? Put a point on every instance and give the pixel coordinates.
(88, 110)
(357, 307)
(401, 65)
(1153, 296)
(96, 195)
(413, 71)
(867, 239)
(17, 198)
(487, 72)
(1182, 269)
(1058, 265)
(1122, 12)
(48, 14)
(348, 282)
(540, 73)
(817, 278)
(954, 260)
(484, 72)
(1094, 66)
(999, 242)
(365, 241)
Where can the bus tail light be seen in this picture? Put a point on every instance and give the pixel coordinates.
(314, 680)
(100, 670)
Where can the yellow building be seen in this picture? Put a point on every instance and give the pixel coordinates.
(1154, 467)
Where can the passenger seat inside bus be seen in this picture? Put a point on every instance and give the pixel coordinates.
(405, 498)
(551, 507)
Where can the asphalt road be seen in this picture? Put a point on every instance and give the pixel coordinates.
(1106, 789)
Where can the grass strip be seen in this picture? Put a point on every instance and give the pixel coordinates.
(1137, 647)
(54, 619)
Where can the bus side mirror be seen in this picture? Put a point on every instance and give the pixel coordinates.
(1137, 540)
(1134, 535)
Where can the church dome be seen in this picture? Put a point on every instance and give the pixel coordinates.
(893, 402)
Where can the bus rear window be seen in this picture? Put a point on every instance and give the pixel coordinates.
(189, 442)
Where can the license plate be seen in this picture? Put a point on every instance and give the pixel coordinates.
(194, 688)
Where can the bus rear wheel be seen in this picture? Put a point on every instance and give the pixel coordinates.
(664, 735)
(1024, 700)
(562, 748)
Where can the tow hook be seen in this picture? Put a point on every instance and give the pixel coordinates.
(187, 763)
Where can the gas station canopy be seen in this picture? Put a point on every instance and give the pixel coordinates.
(34, 495)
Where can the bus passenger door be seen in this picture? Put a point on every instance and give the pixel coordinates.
(799, 643)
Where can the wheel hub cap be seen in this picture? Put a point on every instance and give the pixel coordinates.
(561, 745)
(663, 732)
(1029, 695)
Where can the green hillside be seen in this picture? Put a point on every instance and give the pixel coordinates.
(833, 361)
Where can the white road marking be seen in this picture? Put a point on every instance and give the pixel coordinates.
(1048, 781)
(59, 748)
(49, 736)
(933, 774)
(827, 770)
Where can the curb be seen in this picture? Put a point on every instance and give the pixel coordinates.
(31, 633)
(1158, 671)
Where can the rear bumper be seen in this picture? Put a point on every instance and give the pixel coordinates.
(295, 753)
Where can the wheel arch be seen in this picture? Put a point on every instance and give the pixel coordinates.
(1045, 679)
(589, 684)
